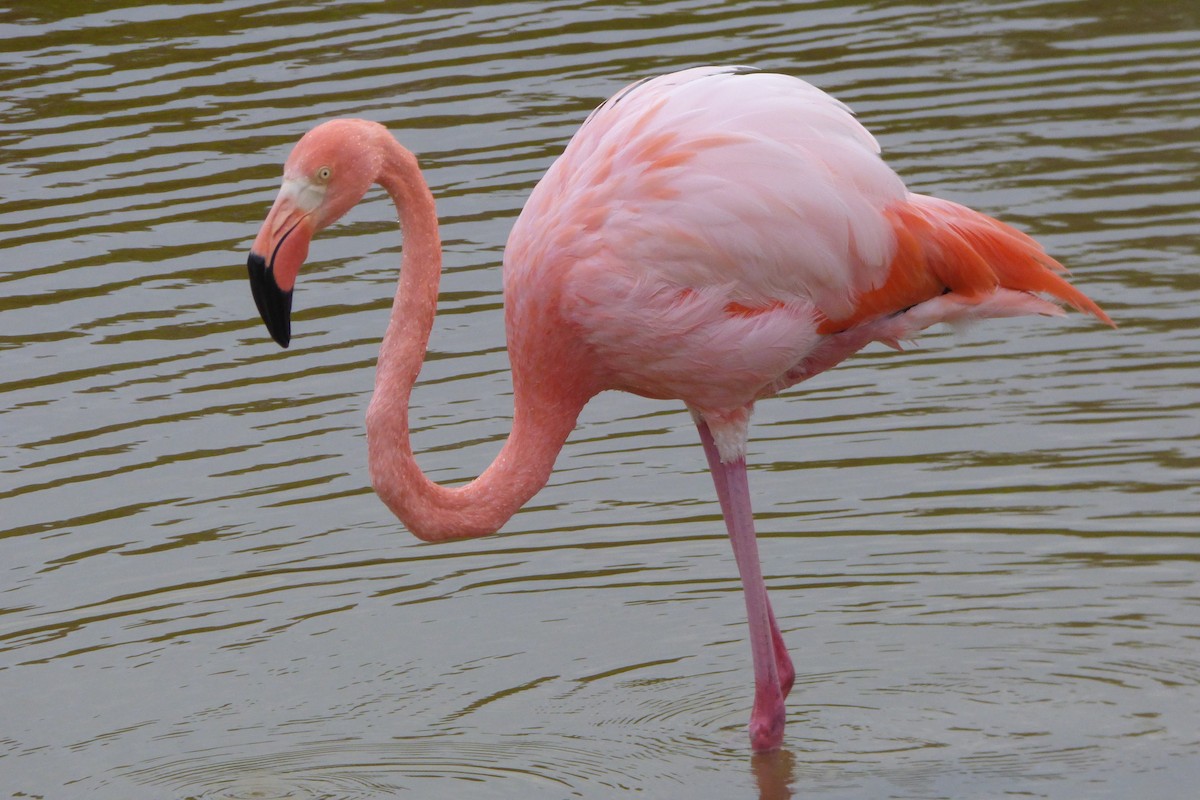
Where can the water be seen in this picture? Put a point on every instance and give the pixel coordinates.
(983, 552)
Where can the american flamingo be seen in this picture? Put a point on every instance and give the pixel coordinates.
(714, 236)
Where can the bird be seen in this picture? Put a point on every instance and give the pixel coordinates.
(713, 236)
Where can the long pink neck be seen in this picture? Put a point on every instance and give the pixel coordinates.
(541, 424)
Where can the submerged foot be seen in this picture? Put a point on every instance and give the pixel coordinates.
(766, 728)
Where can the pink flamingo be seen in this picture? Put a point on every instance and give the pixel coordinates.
(713, 236)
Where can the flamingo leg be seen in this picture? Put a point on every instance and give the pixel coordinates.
(773, 670)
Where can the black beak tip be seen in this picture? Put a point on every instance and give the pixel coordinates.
(274, 304)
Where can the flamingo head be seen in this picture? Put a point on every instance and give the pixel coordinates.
(327, 173)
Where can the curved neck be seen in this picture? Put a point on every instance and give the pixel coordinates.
(542, 418)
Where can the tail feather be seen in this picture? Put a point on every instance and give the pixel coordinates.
(943, 247)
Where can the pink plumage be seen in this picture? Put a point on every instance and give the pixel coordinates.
(711, 236)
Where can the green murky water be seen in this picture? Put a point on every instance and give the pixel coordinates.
(983, 552)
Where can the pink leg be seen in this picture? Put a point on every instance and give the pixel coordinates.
(773, 671)
(783, 661)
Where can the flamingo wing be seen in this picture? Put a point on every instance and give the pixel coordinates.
(753, 183)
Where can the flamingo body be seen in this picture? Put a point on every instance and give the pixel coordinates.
(707, 230)
(712, 236)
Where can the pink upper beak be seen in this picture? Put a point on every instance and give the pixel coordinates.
(275, 259)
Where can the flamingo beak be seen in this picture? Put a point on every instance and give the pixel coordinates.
(274, 304)
(275, 259)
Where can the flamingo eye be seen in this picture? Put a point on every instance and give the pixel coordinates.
(324, 174)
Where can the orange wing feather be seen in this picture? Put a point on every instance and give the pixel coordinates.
(945, 247)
